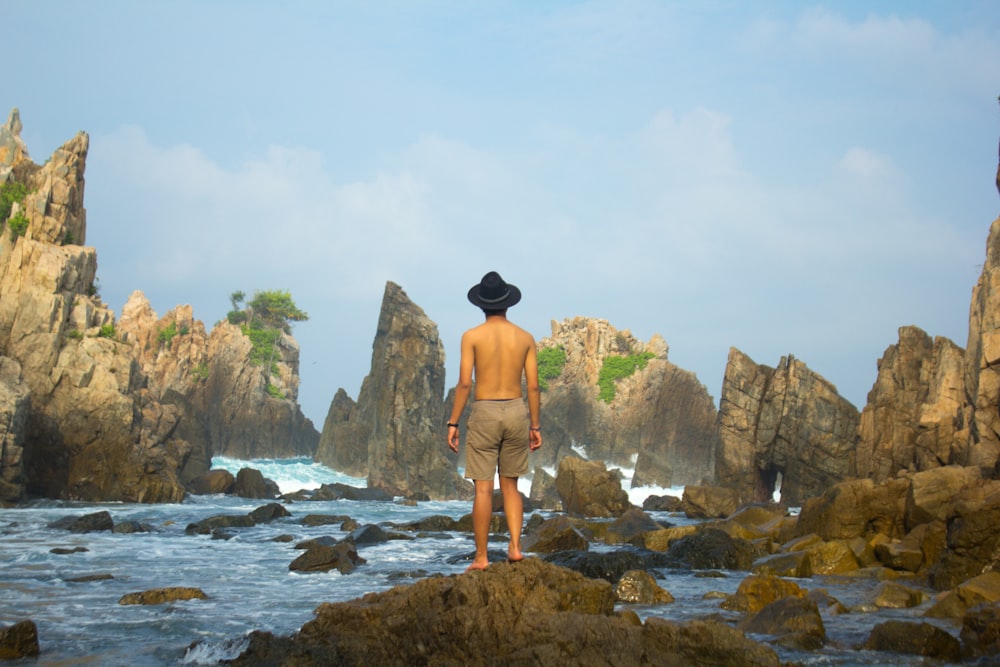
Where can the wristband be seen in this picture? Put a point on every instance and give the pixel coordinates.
(449, 425)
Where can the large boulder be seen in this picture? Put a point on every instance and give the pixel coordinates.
(913, 420)
(530, 612)
(784, 427)
(15, 401)
(588, 488)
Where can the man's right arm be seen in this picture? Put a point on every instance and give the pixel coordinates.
(462, 389)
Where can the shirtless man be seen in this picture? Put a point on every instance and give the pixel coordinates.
(500, 430)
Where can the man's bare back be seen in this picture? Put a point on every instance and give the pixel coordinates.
(500, 352)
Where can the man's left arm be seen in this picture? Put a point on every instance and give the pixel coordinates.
(534, 397)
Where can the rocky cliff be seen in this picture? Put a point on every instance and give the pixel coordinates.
(110, 415)
(785, 426)
(397, 421)
(657, 417)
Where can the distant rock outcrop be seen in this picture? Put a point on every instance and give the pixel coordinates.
(343, 443)
(117, 411)
(660, 418)
(400, 409)
(785, 421)
(913, 420)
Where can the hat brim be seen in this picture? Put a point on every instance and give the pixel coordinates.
(513, 296)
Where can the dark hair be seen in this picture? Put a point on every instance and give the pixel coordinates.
(490, 311)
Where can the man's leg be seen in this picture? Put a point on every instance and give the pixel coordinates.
(482, 513)
(513, 509)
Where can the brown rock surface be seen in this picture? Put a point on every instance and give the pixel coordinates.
(662, 419)
(913, 420)
(15, 402)
(588, 488)
(785, 421)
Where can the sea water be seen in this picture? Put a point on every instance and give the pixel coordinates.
(249, 585)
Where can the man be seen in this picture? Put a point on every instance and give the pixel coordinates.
(500, 430)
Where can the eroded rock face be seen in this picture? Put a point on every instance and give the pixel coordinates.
(400, 409)
(786, 420)
(913, 420)
(15, 401)
(661, 418)
(343, 444)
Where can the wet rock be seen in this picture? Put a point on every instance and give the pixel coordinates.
(65, 551)
(833, 557)
(543, 493)
(660, 540)
(368, 534)
(610, 566)
(161, 595)
(856, 508)
(209, 524)
(710, 549)
(342, 557)
(557, 534)
(757, 591)
(795, 622)
(19, 640)
(250, 483)
(630, 525)
(130, 526)
(588, 488)
(88, 523)
(323, 519)
(212, 482)
(709, 502)
(890, 595)
(792, 564)
(526, 613)
(662, 504)
(913, 639)
(437, 523)
(981, 630)
(269, 512)
(639, 587)
(973, 541)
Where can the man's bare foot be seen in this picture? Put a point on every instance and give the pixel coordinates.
(476, 565)
(514, 555)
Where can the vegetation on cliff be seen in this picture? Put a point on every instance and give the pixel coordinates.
(266, 316)
(551, 361)
(13, 193)
(617, 368)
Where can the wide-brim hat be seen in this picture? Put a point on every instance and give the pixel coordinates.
(492, 293)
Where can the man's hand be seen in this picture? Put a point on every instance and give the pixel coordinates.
(534, 439)
(453, 438)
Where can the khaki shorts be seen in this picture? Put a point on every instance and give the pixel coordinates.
(497, 439)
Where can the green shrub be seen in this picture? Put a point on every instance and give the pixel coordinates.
(273, 391)
(263, 341)
(107, 331)
(18, 225)
(551, 361)
(618, 368)
(164, 336)
(76, 334)
(11, 193)
(200, 372)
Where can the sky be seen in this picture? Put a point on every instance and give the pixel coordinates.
(785, 178)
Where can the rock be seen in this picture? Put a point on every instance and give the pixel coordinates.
(368, 534)
(709, 502)
(786, 421)
(209, 524)
(161, 595)
(913, 639)
(543, 493)
(556, 534)
(129, 526)
(972, 542)
(662, 504)
(630, 525)
(796, 564)
(323, 519)
(856, 508)
(913, 420)
(660, 540)
(212, 482)
(268, 513)
(18, 641)
(340, 491)
(711, 548)
(661, 420)
(526, 613)
(15, 402)
(981, 630)
(400, 408)
(758, 591)
(343, 443)
(250, 483)
(890, 595)
(833, 557)
(639, 587)
(88, 523)
(931, 495)
(610, 566)
(588, 488)
(342, 557)
(793, 622)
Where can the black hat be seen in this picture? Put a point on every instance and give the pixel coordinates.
(492, 293)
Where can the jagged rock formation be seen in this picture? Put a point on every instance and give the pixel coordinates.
(661, 418)
(343, 444)
(113, 414)
(786, 421)
(982, 360)
(400, 409)
(15, 401)
(93, 432)
(913, 420)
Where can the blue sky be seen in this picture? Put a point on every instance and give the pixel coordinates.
(779, 177)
